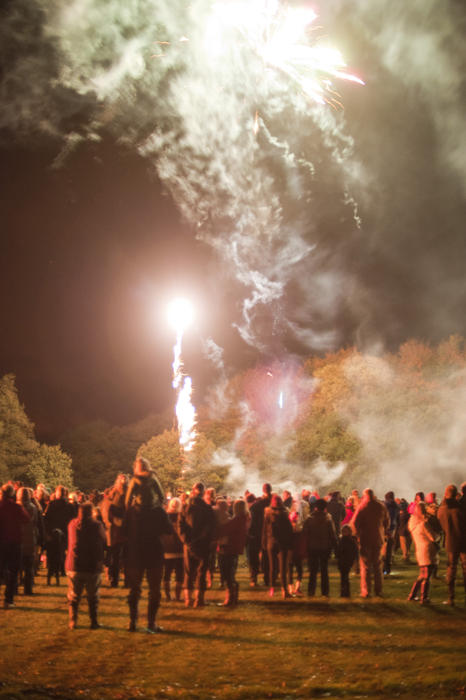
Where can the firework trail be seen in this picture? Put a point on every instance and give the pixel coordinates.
(180, 315)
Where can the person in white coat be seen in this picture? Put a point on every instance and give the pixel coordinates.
(424, 538)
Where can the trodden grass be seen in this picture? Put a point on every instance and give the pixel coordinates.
(264, 648)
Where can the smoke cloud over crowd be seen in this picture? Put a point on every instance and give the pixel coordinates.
(331, 225)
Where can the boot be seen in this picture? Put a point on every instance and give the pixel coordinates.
(199, 598)
(414, 590)
(228, 602)
(425, 587)
(152, 608)
(73, 616)
(167, 590)
(297, 588)
(93, 614)
(188, 598)
(285, 593)
(178, 589)
(133, 616)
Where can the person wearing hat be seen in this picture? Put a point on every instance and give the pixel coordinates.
(453, 521)
(196, 529)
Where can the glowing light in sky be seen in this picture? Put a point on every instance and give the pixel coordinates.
(180, 315)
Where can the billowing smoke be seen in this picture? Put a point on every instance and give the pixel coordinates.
(266, 176)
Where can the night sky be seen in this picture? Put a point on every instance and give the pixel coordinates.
(126, 183)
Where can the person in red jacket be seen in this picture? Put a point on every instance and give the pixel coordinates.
(12, 518)
(84, 562)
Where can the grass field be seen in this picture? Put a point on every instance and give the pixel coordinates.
(264, 648)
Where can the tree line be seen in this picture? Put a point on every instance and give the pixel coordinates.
(330, 420)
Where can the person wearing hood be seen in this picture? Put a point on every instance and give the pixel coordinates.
(452, 518)
(321, 539)
(277, 540)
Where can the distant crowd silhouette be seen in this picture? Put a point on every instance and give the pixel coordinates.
(132, 530)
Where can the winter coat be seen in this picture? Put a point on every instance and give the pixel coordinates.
(172, 545)
(234, 534)
(424, 540)
(86, 541)
(403, 523)
(145, 489)
(370, 522)
(30, 531)
(453, 521)
(145, 528)
(12, 518)
(257, 518)
(196, 526)
(337, 510)
(319, 531)
(347, 552)
(393, 513)
(58, 515)
(277, 531)
(113, 513)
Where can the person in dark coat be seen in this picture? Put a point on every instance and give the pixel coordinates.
(173, 552)
(146, 523)
(196, 529)
(393, 513)
(144, 488)
(453, 521)
(336, 508)
(321, 540)
(232, 540)
(113, 513)
(84, 563)
(277, 541)
(57, 516)
(13, 517)
(30, 538)
(370, 524)
(256, 554)
(347, 555)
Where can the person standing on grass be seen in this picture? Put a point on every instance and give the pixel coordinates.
(452, 518)
(30, 538)
(196, 528)
(347, 553)
(84, 563)
(258, 556)
(393, 513)
(173, 552)
(370, 524)
(424, 538)
(146, 523)
(113, 512)
(321, 540)
(13, 517)
(232, 540)
(277, 541)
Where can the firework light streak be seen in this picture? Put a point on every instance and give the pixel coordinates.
(278, 34)
(180, 316)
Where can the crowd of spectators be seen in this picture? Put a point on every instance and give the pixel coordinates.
(134, 530)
